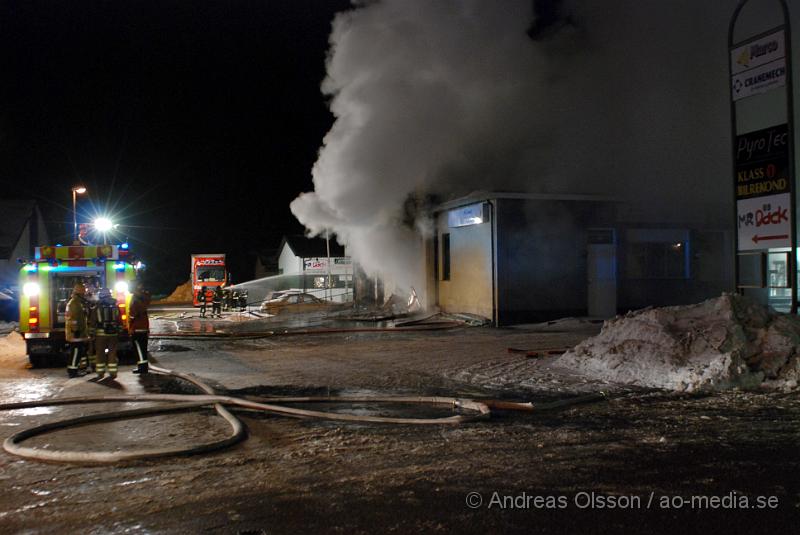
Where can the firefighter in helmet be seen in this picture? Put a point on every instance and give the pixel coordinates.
(92, 289)
(139, 326)
(216, 302)
(202, 299)
(107, 326)
(77, 330)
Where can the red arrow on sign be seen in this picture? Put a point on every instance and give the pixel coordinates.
(758, 238)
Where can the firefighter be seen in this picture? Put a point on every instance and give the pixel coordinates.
(139, 327)
(106, 320)
(201, 298)
(216, 302)
(92, 288)
(77, 330)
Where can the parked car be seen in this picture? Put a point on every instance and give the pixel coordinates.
(294, 303)
(277, 294)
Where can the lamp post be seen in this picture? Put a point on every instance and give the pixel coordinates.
(75, 191)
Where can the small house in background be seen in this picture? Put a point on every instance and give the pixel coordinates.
(21, 229)
(301, 263)
(266, 263)
(308, 258)
(516, 258)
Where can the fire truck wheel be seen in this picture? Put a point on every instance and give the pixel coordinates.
(38, 360)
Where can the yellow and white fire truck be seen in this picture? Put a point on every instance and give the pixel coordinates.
(46, 285)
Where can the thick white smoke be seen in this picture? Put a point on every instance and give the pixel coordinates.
(448, 96)
(422, 92)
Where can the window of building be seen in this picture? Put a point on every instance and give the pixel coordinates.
(751, 267)
(446, 257)
(657, 260)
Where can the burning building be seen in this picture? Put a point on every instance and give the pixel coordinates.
(513, 257)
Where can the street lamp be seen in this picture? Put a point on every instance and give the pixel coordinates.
(75, 191)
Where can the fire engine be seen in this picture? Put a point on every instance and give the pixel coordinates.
(47, 282)
(208, 271)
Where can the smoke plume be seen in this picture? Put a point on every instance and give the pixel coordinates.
(434, 99)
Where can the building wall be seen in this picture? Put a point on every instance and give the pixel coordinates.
(541, 251)
(706, 273)
(708, 227)
(541, 257)
(469, 289)
(288, 263)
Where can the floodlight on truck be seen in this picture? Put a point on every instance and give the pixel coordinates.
(103, 224)
(30, 289)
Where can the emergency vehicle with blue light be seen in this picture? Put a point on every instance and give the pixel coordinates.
(46, 284)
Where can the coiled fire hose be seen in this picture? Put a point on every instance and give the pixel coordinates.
(14, 445)
(180, 402)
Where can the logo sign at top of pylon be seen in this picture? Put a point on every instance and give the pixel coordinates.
(758, 66)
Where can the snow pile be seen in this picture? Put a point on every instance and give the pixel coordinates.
(12, 347)
(725, 342)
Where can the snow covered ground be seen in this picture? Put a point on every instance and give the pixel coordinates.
(326, 477)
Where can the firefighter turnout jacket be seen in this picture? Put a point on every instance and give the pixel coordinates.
(138, 318)
(77, 325)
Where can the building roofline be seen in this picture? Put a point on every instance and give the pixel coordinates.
(480, 196)
(31, 211)
(298, 240)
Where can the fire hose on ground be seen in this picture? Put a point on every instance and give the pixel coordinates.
(479, 410)
(406, 327)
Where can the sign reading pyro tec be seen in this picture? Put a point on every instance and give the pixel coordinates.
(762, 162)
(763, 189)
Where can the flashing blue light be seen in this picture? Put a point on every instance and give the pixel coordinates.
(30, 267)
(124, 245)
(119, 266)
(59, 245)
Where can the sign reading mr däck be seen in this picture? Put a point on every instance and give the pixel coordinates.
(763, 189)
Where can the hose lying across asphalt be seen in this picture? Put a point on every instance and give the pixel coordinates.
(13, 444)
(433, 326)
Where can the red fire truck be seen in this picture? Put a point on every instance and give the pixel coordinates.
(208, 271)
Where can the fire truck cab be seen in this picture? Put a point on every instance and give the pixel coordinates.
(47, 283)
(208, 271)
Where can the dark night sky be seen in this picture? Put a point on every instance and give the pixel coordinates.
(194, 123)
